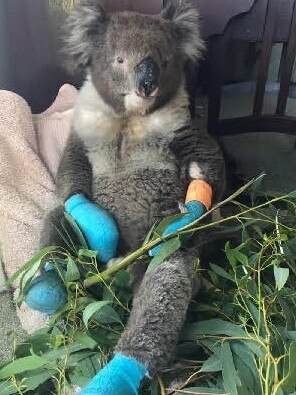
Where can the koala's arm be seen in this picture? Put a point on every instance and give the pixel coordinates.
(75, 172)
(200, 158)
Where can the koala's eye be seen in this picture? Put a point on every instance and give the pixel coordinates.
(120, 60)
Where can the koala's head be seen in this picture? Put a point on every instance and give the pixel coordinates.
(135, 61)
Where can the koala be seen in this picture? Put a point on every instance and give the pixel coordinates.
(134, 149)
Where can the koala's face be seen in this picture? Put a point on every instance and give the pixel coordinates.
(138, 62)
(135, 61)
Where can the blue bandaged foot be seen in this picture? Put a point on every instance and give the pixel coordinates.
(121, 376)
(97, 225)
(195, 210)
(46, 293)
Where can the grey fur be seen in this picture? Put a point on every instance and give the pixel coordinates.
(185, 20)
(133, 158)
(85, 24)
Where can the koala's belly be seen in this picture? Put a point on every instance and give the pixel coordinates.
(137, 200)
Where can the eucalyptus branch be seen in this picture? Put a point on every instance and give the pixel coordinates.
(127, 261)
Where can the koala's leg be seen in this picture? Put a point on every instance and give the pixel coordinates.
(158, 313)
(51, 227)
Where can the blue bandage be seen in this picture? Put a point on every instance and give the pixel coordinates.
(121, 376)
(97, 225)
(46, 293)
(195, 210)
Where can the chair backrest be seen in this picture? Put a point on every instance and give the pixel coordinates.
(268, 22)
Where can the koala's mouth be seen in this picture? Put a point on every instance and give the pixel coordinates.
(152, 95)
(141, 95)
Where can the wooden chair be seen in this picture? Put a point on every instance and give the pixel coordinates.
(266, 23)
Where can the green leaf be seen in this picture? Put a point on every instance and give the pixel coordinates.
(291, 335)
(22, 365)
(36, 378)
(256, 315)
(229, 374)
(212, 364)
(246, 355)
(91, 309)
(6, 388)
(230, 256)
(204, 390)
(107, 315)
(246, 378)
(79, 305)
(289, 384)
(214, 326)
(288, 312)
(76, 230)
(77, 357)
(168, 248)
(165, 223)
(221, 272)
(27, 278)
(281, 276)
(38, 343)
(149, 234)
(240, 257)
(85, 253)
(72, 273)
(36, 258)
(85, 340)
(246, 367)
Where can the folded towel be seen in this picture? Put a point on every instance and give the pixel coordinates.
(30, 151)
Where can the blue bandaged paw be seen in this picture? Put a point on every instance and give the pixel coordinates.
(46, 293)
(97, 225)
(121, 376)
(195, 210)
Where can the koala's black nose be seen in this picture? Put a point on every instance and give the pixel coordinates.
(147, 75)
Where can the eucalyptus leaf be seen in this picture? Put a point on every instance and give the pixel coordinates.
(34, 379)
(214, 326)
(168, 248)
(76, 230)
(212, 364)
(92, 309)
(229, 373)
(107, 315)
(85, 340)
(22, 365)
(205, 390)
(36, 258)
(85, 253)
(159, 229)
(281, 276)
(221, 272)
(72, 273)
(289, 383)
(6, 388)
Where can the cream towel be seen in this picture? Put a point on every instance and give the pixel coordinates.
(30, 151)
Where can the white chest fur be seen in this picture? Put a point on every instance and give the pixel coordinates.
(126, 142)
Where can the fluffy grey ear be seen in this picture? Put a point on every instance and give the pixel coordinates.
(185, 19)
(86, 23)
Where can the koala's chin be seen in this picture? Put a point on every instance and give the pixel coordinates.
(138, 105)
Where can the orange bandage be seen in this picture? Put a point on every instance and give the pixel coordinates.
(201, 191)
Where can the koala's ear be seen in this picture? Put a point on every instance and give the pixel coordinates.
(185, 20)
(86, 23)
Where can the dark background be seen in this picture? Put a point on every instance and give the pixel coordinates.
(30, 59)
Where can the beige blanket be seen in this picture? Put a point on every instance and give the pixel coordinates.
(30, 150)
